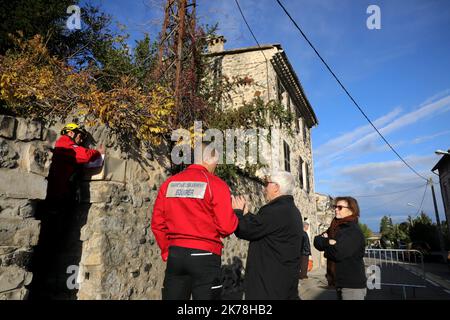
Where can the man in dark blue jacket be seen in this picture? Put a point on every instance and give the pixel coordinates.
(275, 235)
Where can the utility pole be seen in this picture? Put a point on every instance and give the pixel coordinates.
(438, 221)
(177, 51)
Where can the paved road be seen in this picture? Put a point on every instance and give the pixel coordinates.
(435, 287)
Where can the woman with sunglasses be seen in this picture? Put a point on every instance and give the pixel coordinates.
(344, 247)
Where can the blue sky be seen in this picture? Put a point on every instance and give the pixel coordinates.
(400, 75)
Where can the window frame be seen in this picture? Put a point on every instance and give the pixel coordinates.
(300, 173)
(287, 156)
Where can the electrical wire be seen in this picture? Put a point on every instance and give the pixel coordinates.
(423, 198)
(347, 92)
(385, 194)
(259, 46)
(387, 202)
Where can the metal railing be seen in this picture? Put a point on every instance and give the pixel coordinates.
(411, 260)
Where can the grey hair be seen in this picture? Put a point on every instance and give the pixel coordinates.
(285, 180)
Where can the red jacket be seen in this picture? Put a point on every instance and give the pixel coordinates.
(67, 155)
(193, 210)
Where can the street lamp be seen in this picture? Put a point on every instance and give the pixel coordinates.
(410, 217)
(413, 205)
(442, 152)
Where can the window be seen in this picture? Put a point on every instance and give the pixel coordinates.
(305, 132)
(287, 157)
(300, 172)
(217, 69)
(217, 74)
(280, 90)
(307, 177)
(301, 124)
(288, 103)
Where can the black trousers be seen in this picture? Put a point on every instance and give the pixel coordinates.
(192, 272)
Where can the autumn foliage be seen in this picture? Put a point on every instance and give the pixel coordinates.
(35, 84)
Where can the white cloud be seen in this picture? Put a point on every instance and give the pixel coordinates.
(359, 141)
(336, 144)
(426, 111)
(430, 137)
(437, 96)
(376, 167)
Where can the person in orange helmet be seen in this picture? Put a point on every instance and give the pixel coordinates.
(68, 155)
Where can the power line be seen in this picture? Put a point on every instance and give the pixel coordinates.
(259, 46)
(398, 198)
(423, 198)
(383, 204)
(346, 91)
(385, 194)
(248, 26)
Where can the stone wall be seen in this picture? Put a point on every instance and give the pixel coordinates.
(119, 256)
(24, 163)
(253, 65)
(323, 217)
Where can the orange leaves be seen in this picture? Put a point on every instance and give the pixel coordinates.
(30, 74)
(35, 84)
(126, 106)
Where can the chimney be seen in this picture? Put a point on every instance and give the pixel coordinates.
(215, 44)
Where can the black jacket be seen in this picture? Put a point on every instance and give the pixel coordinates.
(347, 253)
(306, 246)
(273, 261)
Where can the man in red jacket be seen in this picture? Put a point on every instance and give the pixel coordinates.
(192, 212)
(68, 155)
(57, 216)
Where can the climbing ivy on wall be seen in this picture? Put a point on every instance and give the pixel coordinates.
(35, 84)
(112, 85)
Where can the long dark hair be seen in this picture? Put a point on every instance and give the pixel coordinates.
(352, 204)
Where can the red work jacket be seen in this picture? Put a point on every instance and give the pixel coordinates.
(193, 210)
(67, 155)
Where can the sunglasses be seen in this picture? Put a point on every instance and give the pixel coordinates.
(339, 207)
(267, 181)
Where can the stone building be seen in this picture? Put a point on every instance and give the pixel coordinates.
(325, 212)
(443, 168)
(323, 217)
(273, 78)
